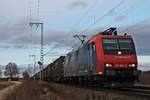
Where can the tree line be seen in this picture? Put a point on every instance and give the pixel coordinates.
(12, 71)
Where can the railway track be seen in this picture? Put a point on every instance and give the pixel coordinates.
(138, 91)
(131, 91)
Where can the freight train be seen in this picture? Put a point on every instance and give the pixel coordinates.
(105, 59)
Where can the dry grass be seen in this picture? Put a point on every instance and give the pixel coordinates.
(4, 84)
(35, 90)
(29, 90)
(38, 90)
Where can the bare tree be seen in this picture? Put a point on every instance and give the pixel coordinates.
(25, 75)
(0, 73)
(11, 70)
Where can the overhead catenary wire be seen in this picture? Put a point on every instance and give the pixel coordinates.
(135, 3)
(135, 24)
(36, 24)
(82, 17)
(132, 6)
(73, 31)
(107, 13)
(100, 18)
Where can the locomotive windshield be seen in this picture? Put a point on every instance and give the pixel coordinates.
(110, 44)
(113, 45)
(125, 44)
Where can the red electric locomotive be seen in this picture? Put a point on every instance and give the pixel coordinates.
(107, 58)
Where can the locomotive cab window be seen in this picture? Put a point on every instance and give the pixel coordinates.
(113, 45)
(110, 44)
(93, 57)
(125, 44)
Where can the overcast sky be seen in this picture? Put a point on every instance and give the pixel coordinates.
(61, 19)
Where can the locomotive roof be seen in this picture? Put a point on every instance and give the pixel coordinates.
(74, 50)
(111, 32)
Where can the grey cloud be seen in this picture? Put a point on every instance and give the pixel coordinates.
(16, 46)
(20, 46)
(59, 38)
(5, 46)
(77, 4)
(141, 34)
(19, 36)
(15, 35)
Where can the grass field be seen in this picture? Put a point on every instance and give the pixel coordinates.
(4, 84)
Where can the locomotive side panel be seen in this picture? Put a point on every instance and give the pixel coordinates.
(71, 64)
(81, 62)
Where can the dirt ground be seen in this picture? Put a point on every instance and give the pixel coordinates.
(145, 78)
(38, 90)
(4, 84)
(8, 88)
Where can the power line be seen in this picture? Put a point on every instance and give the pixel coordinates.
(132, 6)
(37, 16)
(80, 20)
(38, 11)
(30, 11)
(41, 62)
(34, 60)
(48, 51)
(135, 24)
(30, 19)
(100, 18)
(135, 4)
(37, 24)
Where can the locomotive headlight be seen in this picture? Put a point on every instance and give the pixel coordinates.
(131, 65)
(108, 65)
